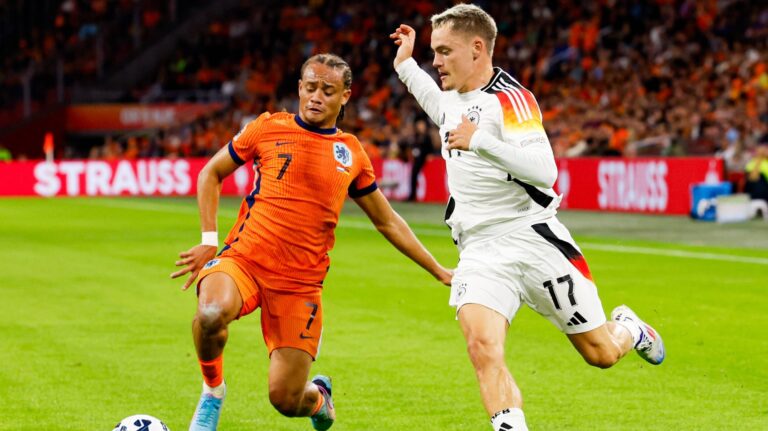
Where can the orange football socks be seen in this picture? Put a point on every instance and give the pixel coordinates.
(213, 371)
(319, 405)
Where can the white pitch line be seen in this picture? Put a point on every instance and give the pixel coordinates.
(418, 231)
(350, 224)
(602, 247)
(675, 253)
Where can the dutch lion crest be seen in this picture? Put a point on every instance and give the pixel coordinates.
(342, 154)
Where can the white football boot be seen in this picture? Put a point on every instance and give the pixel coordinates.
(649, 346)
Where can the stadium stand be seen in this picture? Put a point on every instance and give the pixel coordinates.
(77, 42)
(662, 77)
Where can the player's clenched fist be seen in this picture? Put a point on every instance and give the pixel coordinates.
(459, 138)
(193, 261)
(404, 37)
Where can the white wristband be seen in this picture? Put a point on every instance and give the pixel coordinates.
(210, 238)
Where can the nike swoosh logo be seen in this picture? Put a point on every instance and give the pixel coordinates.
(304, 337)
(277, 144)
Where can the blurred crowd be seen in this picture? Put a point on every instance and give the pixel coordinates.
(613, 77)
(201, 138)
(76, 41)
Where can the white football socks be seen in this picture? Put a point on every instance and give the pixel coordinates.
(218, 392)
(509, 420)
(633, 328)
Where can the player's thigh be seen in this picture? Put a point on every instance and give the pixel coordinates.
(482, 324)
(481, 279)
(292, 317)
(225, 281)
(288, 371)
(558, 283)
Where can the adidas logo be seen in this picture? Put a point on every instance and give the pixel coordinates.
(577, 319)
(505, 427)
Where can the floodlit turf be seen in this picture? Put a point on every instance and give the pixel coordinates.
(93, 330)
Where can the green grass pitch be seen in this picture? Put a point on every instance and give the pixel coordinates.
(92, 329)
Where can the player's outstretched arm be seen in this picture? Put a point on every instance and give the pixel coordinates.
(405, 38)
(208, 191)
(397, 232)
(419, 83)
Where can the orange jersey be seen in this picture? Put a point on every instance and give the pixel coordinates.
(303, 175)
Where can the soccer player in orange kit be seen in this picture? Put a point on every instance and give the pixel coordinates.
(276, 255)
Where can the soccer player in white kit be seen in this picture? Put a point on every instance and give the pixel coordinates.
(512, 248)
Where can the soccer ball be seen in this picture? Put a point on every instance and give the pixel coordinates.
(141, 423)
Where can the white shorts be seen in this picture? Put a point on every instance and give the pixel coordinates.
(538, 265)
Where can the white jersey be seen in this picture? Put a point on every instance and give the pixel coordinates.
(506, 178)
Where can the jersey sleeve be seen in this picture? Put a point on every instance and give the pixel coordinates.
(423, 88)
(365, 182)
(525, 151)
(244, 146)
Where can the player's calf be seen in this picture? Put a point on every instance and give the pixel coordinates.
(603, 356)
(601, 347)
(485, 354)
(288, 402)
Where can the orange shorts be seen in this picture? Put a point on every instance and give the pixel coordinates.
(291, 313)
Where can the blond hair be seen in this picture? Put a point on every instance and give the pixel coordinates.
(469, 19)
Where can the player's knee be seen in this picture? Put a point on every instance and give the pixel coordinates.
(484, 352)
(284, 401)
(210, 317)
(602, 357)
